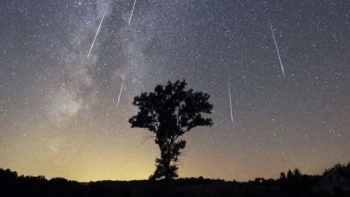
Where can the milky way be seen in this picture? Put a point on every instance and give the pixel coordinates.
(62, 114)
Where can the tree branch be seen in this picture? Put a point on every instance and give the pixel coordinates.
(144, 141)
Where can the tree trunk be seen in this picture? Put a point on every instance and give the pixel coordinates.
(167, 160)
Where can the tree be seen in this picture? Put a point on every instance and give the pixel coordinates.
(290, 174)
(283, 176)
(294, 174)
(169, 112)
(297, 173)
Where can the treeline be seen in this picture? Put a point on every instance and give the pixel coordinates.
(343, 170)
(12, 185)
(292, 183)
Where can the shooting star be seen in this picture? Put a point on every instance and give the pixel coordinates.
(229, 93)
(98, 30)
(121, 89)
(278, 52)
(132, 12)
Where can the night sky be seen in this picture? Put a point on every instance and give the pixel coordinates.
(58, 107)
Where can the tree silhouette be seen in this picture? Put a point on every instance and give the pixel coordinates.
(290, 174)
(294, 174)
(283, 176)
(297, 173)
(169, 112)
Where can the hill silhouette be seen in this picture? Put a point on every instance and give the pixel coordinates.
(334, 182)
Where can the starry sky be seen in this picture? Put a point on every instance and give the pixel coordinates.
(59, 110)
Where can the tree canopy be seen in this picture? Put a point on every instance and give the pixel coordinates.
(169, 112)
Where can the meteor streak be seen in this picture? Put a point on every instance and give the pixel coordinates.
(98, 30)
(229, 93)
(132, 12)
(278, 52)
(121, 89)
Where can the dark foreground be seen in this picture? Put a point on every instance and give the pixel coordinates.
(332, 183)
